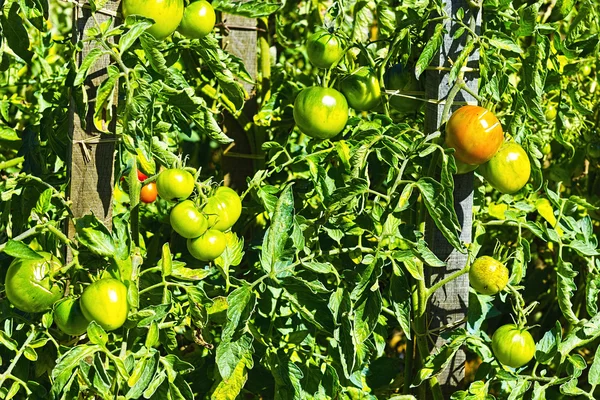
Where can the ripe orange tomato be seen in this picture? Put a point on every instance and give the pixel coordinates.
(475, 133)
(148, 193)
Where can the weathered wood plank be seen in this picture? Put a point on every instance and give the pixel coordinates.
(92, 152)
(449, 304)
(242, 43)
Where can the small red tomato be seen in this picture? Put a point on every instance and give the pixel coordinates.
(148, 193)
(141, 176)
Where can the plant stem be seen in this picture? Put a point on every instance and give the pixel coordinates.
(11, 163)
(447, 279)
(12, 365)
(29, 232)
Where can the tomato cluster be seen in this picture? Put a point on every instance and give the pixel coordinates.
(478, 140)
(30, 286)
(194, 21)
(203, 226)
(322, 112)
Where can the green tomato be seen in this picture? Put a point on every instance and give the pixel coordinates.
(198, 20)
(513, 346)
(69, 318)
(208, 246)
(396, 78)
(28, 284)
(324, 49)
(551, 112)
(361, 89)
(320, 112)
(105, 301)
(488, 276)
(586, 70)
(166, 14)
(509, 169)
(175, 184)
(223, 209)
(187, 220)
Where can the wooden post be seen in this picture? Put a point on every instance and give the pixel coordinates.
(449, 304)
(91, 154)
(241, 40)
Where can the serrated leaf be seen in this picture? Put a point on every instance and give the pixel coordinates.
(430, 50)
(20, 250)
(95, 236)
(277, 234)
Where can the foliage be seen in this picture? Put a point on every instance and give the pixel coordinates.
(323, 289)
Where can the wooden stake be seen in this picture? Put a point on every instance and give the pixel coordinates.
(91, 157)
(449, 304)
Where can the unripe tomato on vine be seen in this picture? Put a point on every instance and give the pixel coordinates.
(174, 184)
(513, 346)
(320, 112)
(509, 169)
(198, 20)
(488, 275)
(167, 14)
(474, 133)
(361, 89)
(208, 246)
(324, 49)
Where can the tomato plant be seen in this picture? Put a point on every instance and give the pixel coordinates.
(198, 20)
(330, 269)
(105, 302)
(187, 220)
(513, 346)
(320, 112)
(30, 285)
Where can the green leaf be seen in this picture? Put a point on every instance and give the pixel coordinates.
(504, 43)
(137, 26)
(366, 314)
(70, 360)
(95, 236)
(229, 389)
(15, 33)
(210, 51)
(401, 299)
(175, 367)
(145, 378)
(96, 334)
(89, 60)
(583, 334)
(566, 287)
(105, 97)
(431, 48)
(250, 9)
(322, 268)
(594, 373)
(462, 59)
(435, 363)
(241, 306)
(231, 354)
(277, 234)
(443, 217)
(20, 250)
